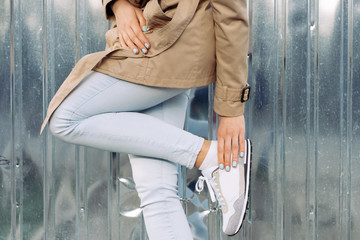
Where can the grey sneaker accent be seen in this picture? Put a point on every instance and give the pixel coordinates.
(236, 218)
(216, 181)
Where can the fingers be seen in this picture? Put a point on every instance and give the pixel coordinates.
(133, 42)
(138, 29)
(141, 20)
(242, 145)
(235, 151)
(227, 154)
(134, 39)
(231, 141)
(221, 153)
(131, 26)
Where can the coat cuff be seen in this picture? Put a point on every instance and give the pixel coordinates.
(227, 101)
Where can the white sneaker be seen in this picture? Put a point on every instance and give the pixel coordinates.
(231, 190)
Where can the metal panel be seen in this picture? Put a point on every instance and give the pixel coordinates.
(262, 117)
(301, 56)
(60, 174)
(328, 145)
(303, 119)
(6, 78)
(295, 119)
(352, 150)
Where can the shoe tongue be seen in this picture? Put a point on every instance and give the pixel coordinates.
(209, 172)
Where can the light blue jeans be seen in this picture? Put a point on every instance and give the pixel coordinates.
(146, 122)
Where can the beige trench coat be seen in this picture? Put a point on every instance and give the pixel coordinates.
(193, 43)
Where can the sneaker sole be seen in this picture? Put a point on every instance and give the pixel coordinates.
(248, 157)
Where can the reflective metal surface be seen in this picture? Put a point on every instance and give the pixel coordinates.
(303, 119)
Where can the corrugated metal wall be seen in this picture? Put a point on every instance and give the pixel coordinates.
(303, 119)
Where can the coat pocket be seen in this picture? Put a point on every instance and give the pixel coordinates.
(164, 30)
(155, 16)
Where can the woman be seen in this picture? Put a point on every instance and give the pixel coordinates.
(132, 98)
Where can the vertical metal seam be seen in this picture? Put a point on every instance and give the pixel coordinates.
(283, 114)
(312, 117)
(49, 201)
(82, 6)
(77, 194)
(16, 155)
(45, 97)
(249, 116)
(248, 119)
(279, 32)
(214, 231)
(316, 115)
(111, 159)
(285, 87)
(84, 193)
(78, 202)
(19, 116)
(308, 119)
(77, 158)
(349, 113)
(275, 117)
(342, 79)
(80, 162)
(210, 136)
(118, 195)
(12, 120)
(77, 22)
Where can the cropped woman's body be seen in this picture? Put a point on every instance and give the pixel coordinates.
(135, 102)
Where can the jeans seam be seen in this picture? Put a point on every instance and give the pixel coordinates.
(166, 203)
(188, 152)
(87, 100)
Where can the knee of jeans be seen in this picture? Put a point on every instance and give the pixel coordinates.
(59, 125)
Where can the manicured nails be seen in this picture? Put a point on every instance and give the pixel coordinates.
(144, 28)
(221, 166)
(143, 50)
(234, 163)
(241, 154)
(147, 45)
(227, 168)
(135, 51)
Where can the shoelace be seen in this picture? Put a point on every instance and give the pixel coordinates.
(199, 186)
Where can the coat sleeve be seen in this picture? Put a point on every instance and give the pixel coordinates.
(109, 13)
(232, 37)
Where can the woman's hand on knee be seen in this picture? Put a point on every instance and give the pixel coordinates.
(130, 24)
(231, 140)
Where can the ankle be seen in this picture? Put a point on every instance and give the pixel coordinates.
(202, 154)
(211, 158)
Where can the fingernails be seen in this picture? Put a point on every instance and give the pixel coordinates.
(234, 163)
(221, 166)
(143, 50)
(241, 154)
(144, 28)
(147, 45)
(227, 168)
(135, 51)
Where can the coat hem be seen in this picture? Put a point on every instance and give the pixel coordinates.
(159, 82)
